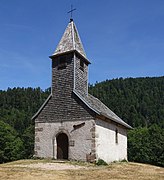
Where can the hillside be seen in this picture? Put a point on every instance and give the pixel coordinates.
(138, 101)
(43, 169)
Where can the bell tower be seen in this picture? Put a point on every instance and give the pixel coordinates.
(69, 65)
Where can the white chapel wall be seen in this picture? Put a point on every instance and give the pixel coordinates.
(106, 146)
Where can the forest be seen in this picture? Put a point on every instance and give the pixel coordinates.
(138, 101)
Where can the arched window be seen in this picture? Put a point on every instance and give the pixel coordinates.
(62, 62)
(81, 64)
(116, 136)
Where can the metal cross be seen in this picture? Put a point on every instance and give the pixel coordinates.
(71, 11)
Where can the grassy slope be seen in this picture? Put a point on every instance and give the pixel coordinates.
(115, 171)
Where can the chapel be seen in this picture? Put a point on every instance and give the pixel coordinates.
(72, 124)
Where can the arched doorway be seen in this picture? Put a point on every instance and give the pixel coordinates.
(62, 146)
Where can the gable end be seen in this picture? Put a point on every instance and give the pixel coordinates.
(43, 105)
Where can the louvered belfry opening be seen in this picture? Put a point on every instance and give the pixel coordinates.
(62, 146)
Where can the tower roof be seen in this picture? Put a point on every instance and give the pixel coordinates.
(70, 41)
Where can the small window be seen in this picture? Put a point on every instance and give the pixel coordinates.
(81, 64)
(116, 136)
(62, 63)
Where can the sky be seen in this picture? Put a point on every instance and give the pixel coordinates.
(122, 38)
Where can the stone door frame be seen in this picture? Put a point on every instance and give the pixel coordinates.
(54, 142)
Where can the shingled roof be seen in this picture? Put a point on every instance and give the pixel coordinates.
(70, 41)
(95, 105)
(99, 108)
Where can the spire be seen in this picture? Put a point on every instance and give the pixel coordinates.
(70, 41)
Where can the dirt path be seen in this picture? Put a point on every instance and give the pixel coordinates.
(51, 166)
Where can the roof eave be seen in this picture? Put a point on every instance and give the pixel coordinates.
(43, 105)
(67, 52)
(100, 113)
(80, 97)
(116, 121)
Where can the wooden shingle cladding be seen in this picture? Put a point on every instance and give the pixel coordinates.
(62, 78)
(81, 76)
(75, 107)
(64, 109)
(101, 109)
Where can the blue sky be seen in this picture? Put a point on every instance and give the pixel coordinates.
(122, 38)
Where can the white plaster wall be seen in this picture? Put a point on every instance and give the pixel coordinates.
(106, 146)
(82, 138)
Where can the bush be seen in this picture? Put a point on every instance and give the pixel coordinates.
(11, 146)
(101, 162)
(124, 160)
(146, 145)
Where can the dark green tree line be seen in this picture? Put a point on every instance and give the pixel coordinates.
(17, 106)
(138, 101)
